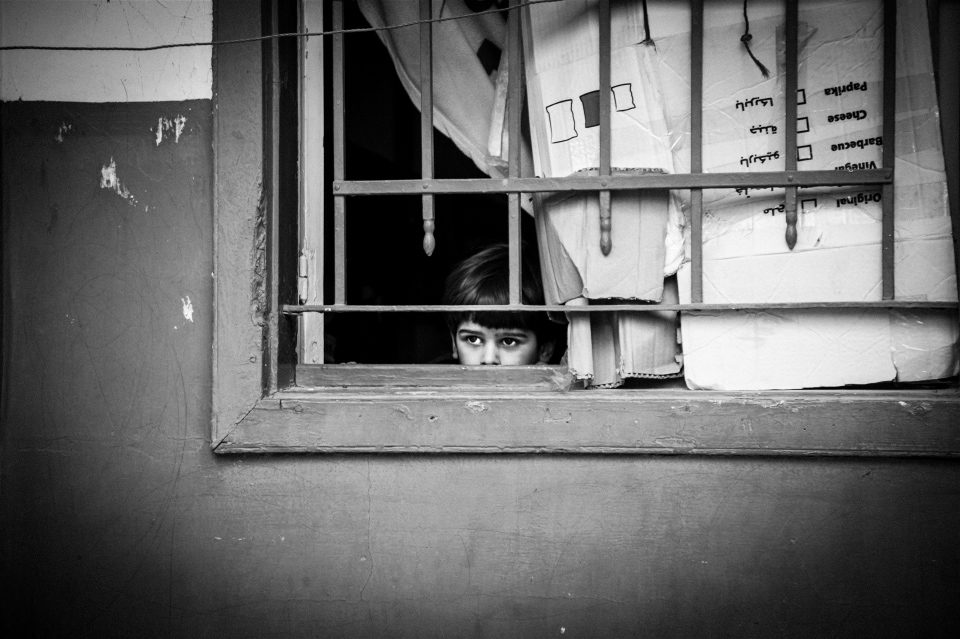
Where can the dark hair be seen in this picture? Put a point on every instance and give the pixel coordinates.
(484, 278)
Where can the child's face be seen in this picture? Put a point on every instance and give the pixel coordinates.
(476, 345)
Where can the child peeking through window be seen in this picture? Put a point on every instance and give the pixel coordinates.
(505, 338)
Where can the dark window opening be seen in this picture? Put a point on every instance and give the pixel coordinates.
(386, 263)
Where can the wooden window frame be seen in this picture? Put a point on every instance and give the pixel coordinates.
(257, 408)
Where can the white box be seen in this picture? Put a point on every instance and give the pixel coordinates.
(746, 259)
(837, 256)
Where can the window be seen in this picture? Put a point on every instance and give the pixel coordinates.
(261, 400)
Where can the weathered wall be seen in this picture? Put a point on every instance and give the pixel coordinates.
(117, 520)
(106, 76)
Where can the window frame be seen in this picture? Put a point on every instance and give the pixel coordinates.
(257, 409)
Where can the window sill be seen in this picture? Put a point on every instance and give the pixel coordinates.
(673, 422)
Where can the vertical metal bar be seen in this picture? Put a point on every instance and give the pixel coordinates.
(948, 60)
(339, 170)
(790, 135)
(696, 150)
(606, 242)
(312, 214)
(426, 121)
(272, 189)
(889, 146)
(514, 108)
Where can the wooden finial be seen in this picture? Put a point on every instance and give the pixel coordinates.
(791, 235)
(429, 241)
(606, 243)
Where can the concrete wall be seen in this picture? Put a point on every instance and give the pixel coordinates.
(117, 520)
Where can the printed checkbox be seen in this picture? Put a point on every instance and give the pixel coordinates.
(808, 205)
(591, 109)
(804, 153)
(803, 125)
(562, 125)
(623, 97)
(801, 96)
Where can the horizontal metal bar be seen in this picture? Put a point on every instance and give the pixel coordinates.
(294, 309)
(616, 182)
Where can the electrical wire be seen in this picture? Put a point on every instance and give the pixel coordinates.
(746, 38)
(303, 34)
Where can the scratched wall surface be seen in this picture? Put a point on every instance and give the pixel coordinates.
(117, 520)
(106, 76)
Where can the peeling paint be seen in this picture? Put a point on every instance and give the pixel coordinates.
(258, 297)
(168, 126)
(109, 180)
(676, 442)
(770, 403)
(562, 380)
(475, 407)
(920, 409)
(178, 122)
(187, 308)
(565, 418)
(63, 128)
(108, 176)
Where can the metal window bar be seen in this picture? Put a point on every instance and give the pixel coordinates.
(339, 201)
(604, 182)
(696, 150)
(271, 97)
(889, 148)
(426, 122)
(606, 241)
(515, 85)
(790, 121)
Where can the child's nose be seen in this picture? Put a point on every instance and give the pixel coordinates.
(491, 354)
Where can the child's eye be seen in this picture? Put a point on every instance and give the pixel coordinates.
(510, 342)
(473, 339)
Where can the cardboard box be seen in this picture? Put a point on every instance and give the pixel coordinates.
(837, 257)
(561, 60)
(604, 349)
(568, 231)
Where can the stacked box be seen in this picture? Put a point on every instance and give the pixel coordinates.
(746, 259)
(561, 60)
(838, 254)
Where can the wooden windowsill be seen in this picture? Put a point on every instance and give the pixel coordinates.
(795, 423)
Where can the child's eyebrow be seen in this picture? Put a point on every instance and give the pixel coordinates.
(512, 332)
